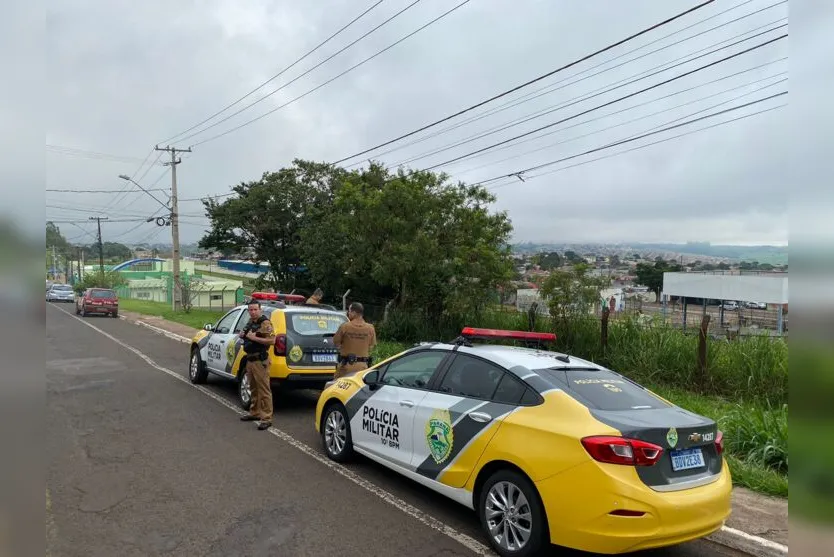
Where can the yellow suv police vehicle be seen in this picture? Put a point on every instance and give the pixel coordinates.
(303, 355)
(546, 448)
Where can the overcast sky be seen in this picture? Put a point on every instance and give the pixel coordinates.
(123, 75)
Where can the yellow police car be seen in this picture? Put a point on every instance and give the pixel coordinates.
(303, 355)
(545, 447)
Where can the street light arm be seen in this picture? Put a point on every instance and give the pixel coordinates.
(131, 180)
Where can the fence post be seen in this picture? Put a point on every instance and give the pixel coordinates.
(606, 313)
(702, 348)
(344, 300)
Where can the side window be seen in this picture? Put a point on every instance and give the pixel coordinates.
(242, 322)
(224, 326)
(510, 390)
(414, 370)
(472, 377)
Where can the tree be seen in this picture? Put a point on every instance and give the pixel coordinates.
(548, 261)
(573, 258)
(98, 279)
(652, 275)
(268, 215)
(572, 292)
(413, 237)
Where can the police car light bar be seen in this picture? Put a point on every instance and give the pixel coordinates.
(274, 296)
(472, 332)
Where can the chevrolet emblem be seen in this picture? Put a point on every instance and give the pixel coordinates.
(695, 437)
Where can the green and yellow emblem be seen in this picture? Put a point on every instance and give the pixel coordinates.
(296, 353)
(672, 437)
(230, 351)
(439, 435)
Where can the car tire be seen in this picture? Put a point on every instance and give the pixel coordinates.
(528, 514)
(197, 371)
(115, 314)
(335, 433)
(244, 390)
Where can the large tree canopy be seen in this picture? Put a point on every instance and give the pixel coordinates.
(410, 237)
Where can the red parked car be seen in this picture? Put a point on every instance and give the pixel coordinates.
(101, 301)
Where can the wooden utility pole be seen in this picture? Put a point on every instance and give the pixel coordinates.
(176, 296)
(100, 245)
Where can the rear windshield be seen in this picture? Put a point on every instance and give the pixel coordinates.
(604, 390)
(64, 287)
(103, 294)
(315, 324)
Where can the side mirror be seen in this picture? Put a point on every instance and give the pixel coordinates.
(372, 380)
(208, 326)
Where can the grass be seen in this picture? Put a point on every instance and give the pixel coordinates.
(196, 318)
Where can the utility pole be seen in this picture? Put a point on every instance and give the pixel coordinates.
(53, 262)
(175, 226)
(100, 246)
(81, 265)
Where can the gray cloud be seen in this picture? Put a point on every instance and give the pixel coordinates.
(123, 75)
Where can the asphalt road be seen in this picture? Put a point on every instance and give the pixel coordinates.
(142, 463)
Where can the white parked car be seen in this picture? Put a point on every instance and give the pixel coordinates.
(729, 306)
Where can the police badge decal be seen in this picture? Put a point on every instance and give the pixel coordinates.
(439, 435)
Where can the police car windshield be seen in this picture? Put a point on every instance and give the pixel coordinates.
(315, 324)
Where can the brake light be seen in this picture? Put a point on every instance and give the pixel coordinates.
(620, 450)
(280, 345)
(472, 332)
(719, 443)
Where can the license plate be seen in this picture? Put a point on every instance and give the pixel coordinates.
(324, 358)
(687, 459)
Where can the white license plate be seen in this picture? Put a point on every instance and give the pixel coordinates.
(324, 358)
(687, 459)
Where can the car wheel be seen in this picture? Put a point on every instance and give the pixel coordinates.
(335, 433)
(197, 371)
(115, 314)
(244, 390)
(512, 515)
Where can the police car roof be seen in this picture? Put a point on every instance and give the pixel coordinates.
(271, 306)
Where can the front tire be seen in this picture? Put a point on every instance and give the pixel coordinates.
(244, 390)
(512, 515)
(197, 371)
(335, 433)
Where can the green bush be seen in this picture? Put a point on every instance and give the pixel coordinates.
(758, 435)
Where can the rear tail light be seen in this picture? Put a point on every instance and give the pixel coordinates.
(719, 443)
(280, 345)
(620, 450)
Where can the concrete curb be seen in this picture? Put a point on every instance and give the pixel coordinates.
(726, 536)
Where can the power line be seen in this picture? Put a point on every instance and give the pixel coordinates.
(631, 139)
(331, 80)
(585, 97)
(84, 153)
(279, 74)
(655, 86)
(555, 86)
(284, 86)
(97, 191)
(664, 140)
(636, 119)
(532, 81)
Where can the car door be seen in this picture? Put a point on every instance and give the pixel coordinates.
(459, 416)
(383, 426)
(218, 340)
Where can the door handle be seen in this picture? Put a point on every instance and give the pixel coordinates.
(407, 403)
(480, 417)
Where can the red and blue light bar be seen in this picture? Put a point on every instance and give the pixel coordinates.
(277, 297)
(499, 334)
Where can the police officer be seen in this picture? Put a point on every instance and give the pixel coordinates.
(354, 339)
(315, 299)
(258, 336)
